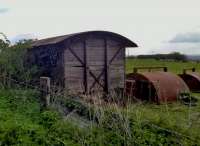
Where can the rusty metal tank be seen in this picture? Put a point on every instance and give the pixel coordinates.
(156, 86)
(192, 79)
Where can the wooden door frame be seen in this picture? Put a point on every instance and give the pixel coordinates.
(84, 64)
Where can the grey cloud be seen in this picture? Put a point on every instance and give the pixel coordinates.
(3, 10)
(185, 48)
(190, 37)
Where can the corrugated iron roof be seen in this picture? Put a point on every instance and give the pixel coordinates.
(192, 79)
(195, 75)
(54, 40)
(167, 85)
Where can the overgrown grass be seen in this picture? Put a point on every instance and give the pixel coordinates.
(174, 116)
(23, 122)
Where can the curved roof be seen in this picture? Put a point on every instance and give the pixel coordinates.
(192, 79)
(194, 75)
(54, 40)
(167, 85)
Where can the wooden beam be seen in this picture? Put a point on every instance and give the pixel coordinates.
(187, 69)
(106, 67)
(135, 69)
(85, 68)
(115, 55)
(83, 64)
(95, 78)
(75, 55)
(98, 78)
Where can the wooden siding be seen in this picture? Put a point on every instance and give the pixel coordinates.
(49, 59)
(83, 62)
(75, 73)
(116, 68)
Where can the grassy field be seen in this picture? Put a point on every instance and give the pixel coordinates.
(177, 116)
(24, 122)
(176, 67)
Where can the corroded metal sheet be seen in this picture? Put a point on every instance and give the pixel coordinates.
(192, 79)
(157, 86)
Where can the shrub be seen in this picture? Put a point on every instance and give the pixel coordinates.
(12, 61)
(49, 118)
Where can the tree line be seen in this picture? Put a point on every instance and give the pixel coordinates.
(175, 56)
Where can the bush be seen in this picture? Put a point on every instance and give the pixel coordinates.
(49, 118)
(12, 61)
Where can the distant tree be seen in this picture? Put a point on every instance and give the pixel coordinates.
(178, 56)
(131, 57)
(172, 56)
(4, 43)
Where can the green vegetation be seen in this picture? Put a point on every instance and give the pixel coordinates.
(176, 56)
(23, 121)
(176, 116)
(173, 66)
(12, 61)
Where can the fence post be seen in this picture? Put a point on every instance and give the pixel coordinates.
(45, 90)
(165, 69)
(135, 70)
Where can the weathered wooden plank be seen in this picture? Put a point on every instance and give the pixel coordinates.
(85, 68)
(102, 59)
(112, 42)
(106, 67)
(95, 42)
(78, 49)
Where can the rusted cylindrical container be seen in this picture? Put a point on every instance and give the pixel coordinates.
(192, 79)
(156, 86)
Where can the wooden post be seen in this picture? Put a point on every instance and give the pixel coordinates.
(184, 71)
(4, 79)
(9, 81)
(45, 90)
(165, 69)
(134, 70)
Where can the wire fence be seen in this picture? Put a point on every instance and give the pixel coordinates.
(10, 82)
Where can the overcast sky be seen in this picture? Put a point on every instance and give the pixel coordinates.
(157, 26)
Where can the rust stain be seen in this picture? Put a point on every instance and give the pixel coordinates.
(156, 86)
(192, 79)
